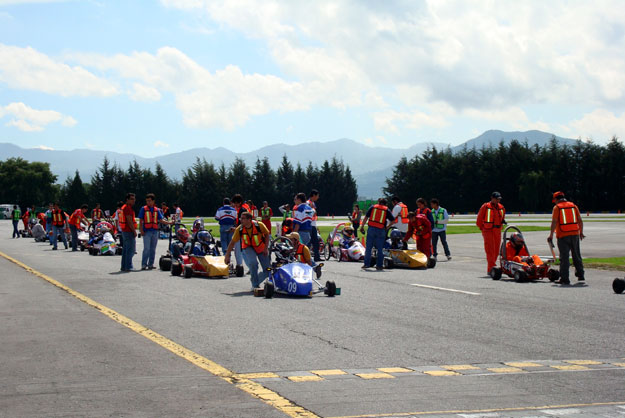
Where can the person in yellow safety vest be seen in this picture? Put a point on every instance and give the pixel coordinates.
(400, 212)
(567, 223)
(254, 238)
(58, 226)
(301, 252)
(16, 215)
(490, 218)
(76, 221)
(149, 219)
(96, 215)
(265, 214)
(439, 230)
(354, 218)
(376, 218)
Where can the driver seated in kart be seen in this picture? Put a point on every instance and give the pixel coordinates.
(300, 251)
(395, 242)
(517, 251)
(346, 239)
(181, 245)
(202, 245)
(198, 225)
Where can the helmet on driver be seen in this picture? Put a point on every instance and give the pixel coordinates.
(182, 234)
(517, 239)
(203, 237)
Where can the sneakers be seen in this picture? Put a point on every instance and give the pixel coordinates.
(144, 268)
(448, 257)
(581, 279)
(565, 282)
(379, 268)
(364, 267)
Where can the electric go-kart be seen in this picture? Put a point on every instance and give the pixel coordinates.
(396, 256)
(102, 241)
(618, 285)
(347, 248)
(526, 270)
(200, 258)
(290, 277)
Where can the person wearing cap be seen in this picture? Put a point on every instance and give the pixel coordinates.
(254, 238)
(567, 223)
(301, 252)
(491, 216)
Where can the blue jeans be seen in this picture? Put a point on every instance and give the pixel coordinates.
(225, 236)
(304, 237)
(252, 259)
(56, 231)
(16, 232)
(128, 250)
(150, 239)
(375, 238)
(74, 231)
(443, 237)
(314, 241)
(49, 229)
(238, 256)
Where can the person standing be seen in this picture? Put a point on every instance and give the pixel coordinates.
(302, 218)
(265, 214)
(489, 219)
(354, 218)
(419, 227)
(252, 209)
(567, 223)
(48, 216)
(149, 219)
(177, 215)
(286, 211)
(26, 218)
(254, 238)
(16, 215)
(314, 237)
(376, 219)
(226, 216)
(129, 232)
(400, 212)
(58, 226)
(237, 201)
(96, 215)
(441, 218)
(75, 224)
(422, 209)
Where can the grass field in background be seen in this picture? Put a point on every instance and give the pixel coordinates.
(612, 263)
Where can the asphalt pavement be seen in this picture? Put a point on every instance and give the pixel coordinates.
(438, 342)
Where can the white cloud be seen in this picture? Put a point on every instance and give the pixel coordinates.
(389, 120)
(28, 119)
(600, 125)
(142, 93)
(161, 144)
(28, 69)
(44, 147)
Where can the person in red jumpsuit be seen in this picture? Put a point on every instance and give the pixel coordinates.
(489, 219)
(420, 227)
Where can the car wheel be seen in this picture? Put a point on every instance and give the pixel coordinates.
(330, 288)
(118, 251)
(431, 263)
(188, 272)
(326, 252)
(269, 290)
(553, 275)
(388, 263)
(176, 268)
(164, 263)
(239, 271)
(618, 285)
(495, 273)
(520, 276)
(82, 247)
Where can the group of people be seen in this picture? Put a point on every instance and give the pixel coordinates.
(566, 223)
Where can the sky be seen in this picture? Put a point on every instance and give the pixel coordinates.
(156, 77)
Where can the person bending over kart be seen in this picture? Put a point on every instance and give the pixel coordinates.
(181, 245)
(420, 226)
(517, 251)
(346, 239)
(301, 252)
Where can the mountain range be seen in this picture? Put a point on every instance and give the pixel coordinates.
(369, 165)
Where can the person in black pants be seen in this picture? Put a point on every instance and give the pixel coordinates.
(314, 237)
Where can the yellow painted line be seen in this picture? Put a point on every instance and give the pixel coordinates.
(375, 375)
(505, 369)
(305, 378)
(255, 389)
(255, 375)
(571, 367)
(395, 370)
(619, 364)
(330, 372)
(522, 364)
(456, 367)
(441, 373)
(583, 362)
(477, 411)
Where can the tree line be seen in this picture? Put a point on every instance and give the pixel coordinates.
(591, 175)
(200, 191)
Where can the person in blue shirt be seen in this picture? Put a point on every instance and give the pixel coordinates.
(302, 218)
(226, 216)
(439, 229)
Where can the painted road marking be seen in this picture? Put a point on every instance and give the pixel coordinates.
(332, 372)
(582, 362)
(457, 367)
(522, 364)
(375, 376)
(543, 408)
(305, 378)
(505, 370)
(445, 289)
(571, 367)
(441, 373)
(245, 384)
(395, 370)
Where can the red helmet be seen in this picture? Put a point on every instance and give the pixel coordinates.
(517, 239)
(183, 234)
(557, 196)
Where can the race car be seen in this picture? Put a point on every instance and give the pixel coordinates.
(395, 256)
(347, 248)
(290, 277)
(523, 267)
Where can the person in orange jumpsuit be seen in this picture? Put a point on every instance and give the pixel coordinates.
(420, 227)
(489, 219)
(517, 251)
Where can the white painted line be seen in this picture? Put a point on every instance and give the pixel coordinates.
(446, 290)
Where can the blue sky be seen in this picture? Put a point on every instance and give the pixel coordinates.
(154, 77)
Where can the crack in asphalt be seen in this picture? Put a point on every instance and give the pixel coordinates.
(333, 344)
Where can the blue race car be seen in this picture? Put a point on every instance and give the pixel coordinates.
(287, 276)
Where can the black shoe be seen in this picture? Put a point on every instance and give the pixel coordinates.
(379, 268)
(581, 279)
(565, 282)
